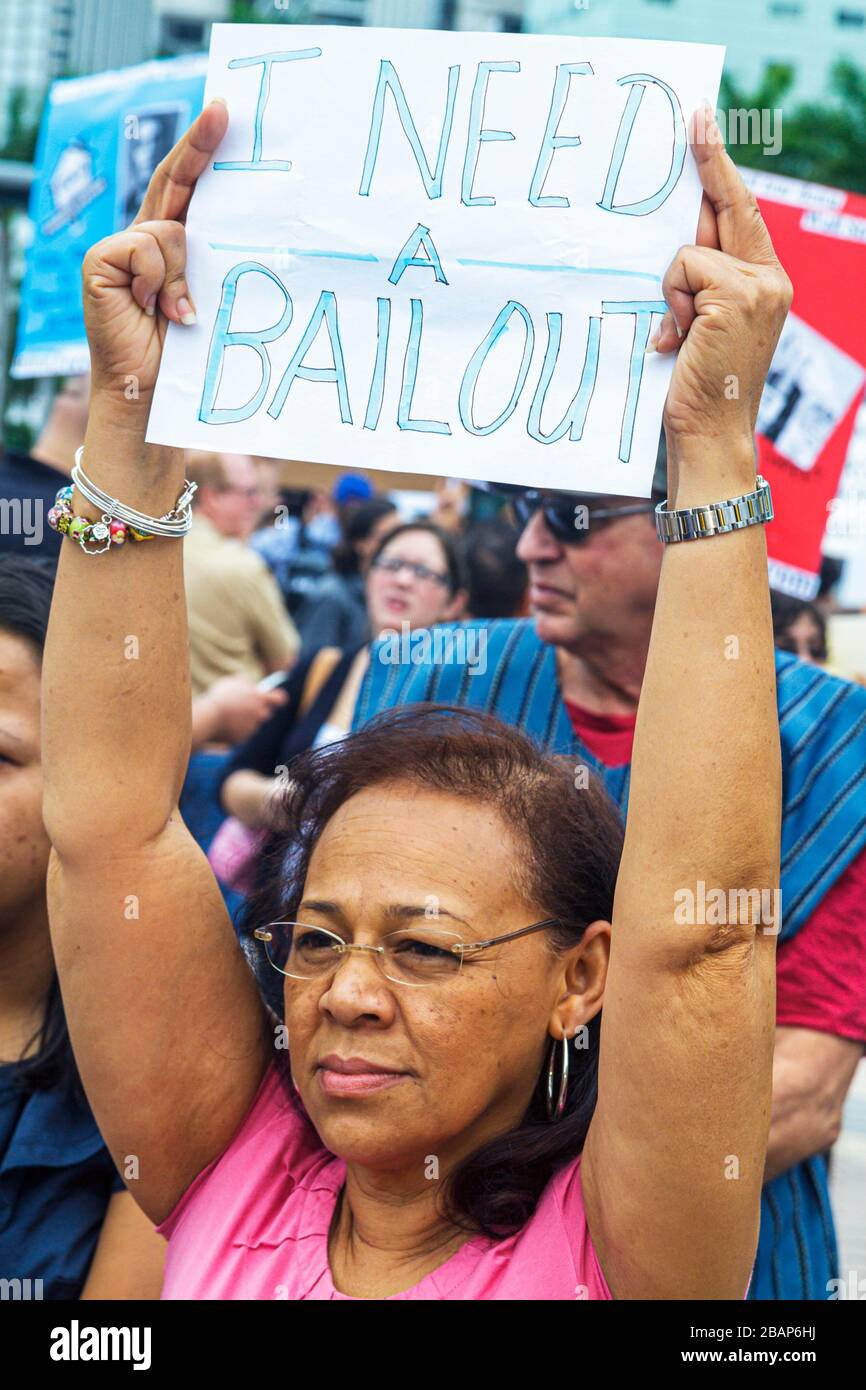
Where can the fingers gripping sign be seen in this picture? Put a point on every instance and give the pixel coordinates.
(129, 276)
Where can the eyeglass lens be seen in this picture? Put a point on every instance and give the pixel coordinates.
(419, 955)
(566, 520)
(419, 572)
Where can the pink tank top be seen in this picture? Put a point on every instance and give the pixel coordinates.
(255, 1223)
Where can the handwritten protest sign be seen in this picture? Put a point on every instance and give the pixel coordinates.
(437, 252)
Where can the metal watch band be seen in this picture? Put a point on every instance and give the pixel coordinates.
(716, 518)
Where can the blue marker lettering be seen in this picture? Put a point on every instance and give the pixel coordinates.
(477, 135)
(420, 237)
(552, 139)
(267, 60)
(574, 418)
(477, 360)
(222, 338)
(388, 79)
(325, 311)
(410, 376)
(377, 385)
(643, 310)
(638, 81)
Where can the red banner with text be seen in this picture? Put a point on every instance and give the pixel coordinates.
(818, 375)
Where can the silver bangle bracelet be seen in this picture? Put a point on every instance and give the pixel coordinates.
(174, 525)
(716, 518)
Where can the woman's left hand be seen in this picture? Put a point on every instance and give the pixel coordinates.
(128, 277)
(728, 295)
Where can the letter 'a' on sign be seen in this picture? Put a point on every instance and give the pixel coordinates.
(419, 240)
(458, 273)
(325, 313)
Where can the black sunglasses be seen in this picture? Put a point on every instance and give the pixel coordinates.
(567, 520)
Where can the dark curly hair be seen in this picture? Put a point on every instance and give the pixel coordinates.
(571, 841)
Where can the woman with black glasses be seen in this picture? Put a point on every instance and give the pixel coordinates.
(430, 1111)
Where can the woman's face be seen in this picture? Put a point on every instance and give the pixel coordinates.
(402, 595)
(464, 1054)
(803, 637)
(24, 845)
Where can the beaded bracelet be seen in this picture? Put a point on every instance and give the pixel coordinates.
(94, 537)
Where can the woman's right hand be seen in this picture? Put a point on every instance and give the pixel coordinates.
(129, 276)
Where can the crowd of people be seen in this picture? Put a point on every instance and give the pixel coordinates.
(374, 982)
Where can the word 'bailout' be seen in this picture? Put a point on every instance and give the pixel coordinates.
(325, 320)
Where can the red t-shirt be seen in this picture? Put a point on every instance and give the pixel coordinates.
(821, 973)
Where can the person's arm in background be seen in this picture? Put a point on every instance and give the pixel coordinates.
(129, 1257)
(821, 1022)
(674, 1159)
(251, 775)
(812, 1073)
(232, 710)
(249, 797)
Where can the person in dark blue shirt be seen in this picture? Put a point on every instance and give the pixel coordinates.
(68, 1228)
(29, 482)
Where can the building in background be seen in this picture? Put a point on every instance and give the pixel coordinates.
(41, 40)
(482, 16)
(183, 26)
(810, 35)
(44, 39)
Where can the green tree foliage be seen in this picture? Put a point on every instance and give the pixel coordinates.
(20, 146)
(821, 141)
(253, 12)
(21, 130)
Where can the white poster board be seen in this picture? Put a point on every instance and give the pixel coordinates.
(437, 252)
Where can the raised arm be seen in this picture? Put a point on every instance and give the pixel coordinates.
(675, 1155)
(163, 1013)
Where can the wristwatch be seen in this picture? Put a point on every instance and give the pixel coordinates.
(715, 518)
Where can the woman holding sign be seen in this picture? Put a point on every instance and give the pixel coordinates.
(430, 1112)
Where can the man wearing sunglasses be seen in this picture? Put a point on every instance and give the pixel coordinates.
(593, 565)
(571, 675)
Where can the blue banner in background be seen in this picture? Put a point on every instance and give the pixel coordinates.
(100, 139)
